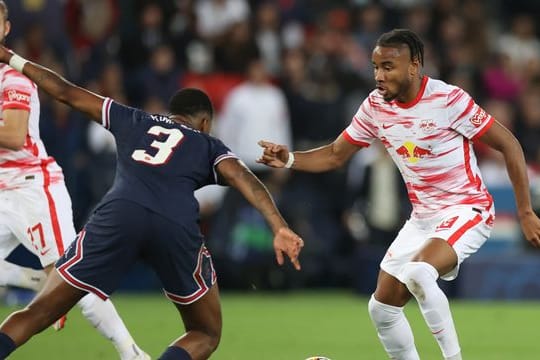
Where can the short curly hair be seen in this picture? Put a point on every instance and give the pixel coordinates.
(398, 37)
(190, 102)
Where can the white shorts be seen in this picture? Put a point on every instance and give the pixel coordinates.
(38, 217)
(465, 228)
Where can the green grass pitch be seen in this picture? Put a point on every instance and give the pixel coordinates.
(294, 326)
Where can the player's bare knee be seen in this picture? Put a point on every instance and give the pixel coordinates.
(417, 276)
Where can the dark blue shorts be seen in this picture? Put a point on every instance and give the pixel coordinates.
(120, 233)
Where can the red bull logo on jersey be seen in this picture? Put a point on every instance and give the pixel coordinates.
(412, 152)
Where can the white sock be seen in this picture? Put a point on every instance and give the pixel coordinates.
(421, 280)
(103, 316)
(15, 275)
(393, 329)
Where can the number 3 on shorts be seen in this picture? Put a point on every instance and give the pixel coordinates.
(165, 148)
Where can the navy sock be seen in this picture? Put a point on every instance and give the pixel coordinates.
(7, 346)
(175, 353)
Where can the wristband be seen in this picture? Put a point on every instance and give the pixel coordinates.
(17, 62)
(290, 160)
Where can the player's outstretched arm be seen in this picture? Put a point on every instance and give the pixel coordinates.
(237, 175)
(55, 85)
(324, 158)
(501, 139)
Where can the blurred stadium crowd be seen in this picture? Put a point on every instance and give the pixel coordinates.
(289, 71)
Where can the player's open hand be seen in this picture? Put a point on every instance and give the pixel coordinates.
(286, 241)
(530, 224)
(274, 155)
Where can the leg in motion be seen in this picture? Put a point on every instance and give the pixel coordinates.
(386, 312)
(420, 277)
(20, 276)
(203, 323)
(56, 299)
(103, 316)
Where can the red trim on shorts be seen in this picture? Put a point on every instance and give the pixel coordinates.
(82, 286)
(63, 270)
(78, 253)
(459, 232)
(52, 210)
(197, 275)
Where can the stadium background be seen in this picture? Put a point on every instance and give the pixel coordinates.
(317, 57)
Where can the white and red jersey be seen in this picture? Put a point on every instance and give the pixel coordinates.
(430, 140)
(31, 162)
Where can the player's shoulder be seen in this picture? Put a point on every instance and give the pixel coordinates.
(7, 73)
(441, 87)
(374, 99)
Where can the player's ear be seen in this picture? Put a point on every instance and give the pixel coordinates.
(206, 124)
(414, 67)
(7, 28)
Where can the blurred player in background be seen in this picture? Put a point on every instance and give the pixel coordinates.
(428, 128)
(149, 214)
(35, 207)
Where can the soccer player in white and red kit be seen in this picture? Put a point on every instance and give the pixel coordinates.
(428, 128)
(35, 207)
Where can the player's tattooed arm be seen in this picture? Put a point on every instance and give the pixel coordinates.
(56, 86)
(236, 174)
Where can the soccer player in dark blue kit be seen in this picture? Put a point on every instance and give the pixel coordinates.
(150, 213)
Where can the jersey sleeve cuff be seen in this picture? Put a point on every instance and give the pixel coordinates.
(105, 113)
(353, 141)
(483, 130)
(16, 106)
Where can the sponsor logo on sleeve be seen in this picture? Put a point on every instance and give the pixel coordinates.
(13, 95)
(478, 118)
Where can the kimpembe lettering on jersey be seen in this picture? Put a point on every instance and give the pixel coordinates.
(149, 214)
(161, 118)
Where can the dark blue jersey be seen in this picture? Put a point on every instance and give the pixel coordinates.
(160, 163)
